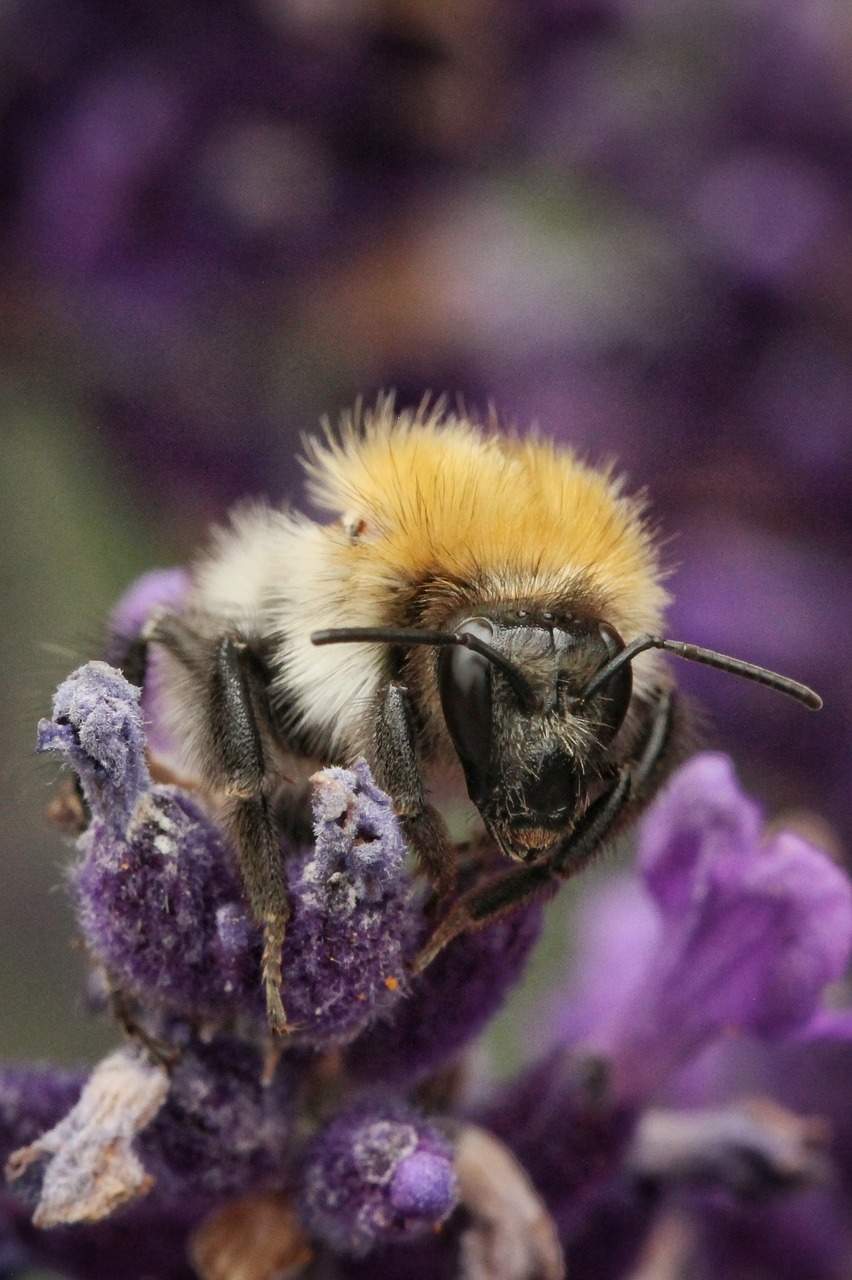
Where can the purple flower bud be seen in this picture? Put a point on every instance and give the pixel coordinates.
(422, 1186)
(353, 920)
(377, 1172)
(159, 900)
(450, 1003)
(151, 902)
(97, 724)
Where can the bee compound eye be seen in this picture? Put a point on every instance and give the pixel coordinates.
(464, 685)
(611, 638)
(613, 698)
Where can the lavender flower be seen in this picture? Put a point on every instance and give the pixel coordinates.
(731, 933)
(747, 935)
(449, 1004)
(269, 1160)
(159, 901)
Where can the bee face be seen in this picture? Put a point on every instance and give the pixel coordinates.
(530, 765)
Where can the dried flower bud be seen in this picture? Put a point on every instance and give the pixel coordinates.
(92, 1168)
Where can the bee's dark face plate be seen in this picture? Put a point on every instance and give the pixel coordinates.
(529, 771)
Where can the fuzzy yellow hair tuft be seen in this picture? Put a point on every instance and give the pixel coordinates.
(436, 494)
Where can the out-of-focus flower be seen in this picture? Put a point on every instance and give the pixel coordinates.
(732, 933)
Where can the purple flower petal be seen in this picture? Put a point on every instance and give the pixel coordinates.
(818, 931)
(158, 589)
(702, 817)
(746, 937)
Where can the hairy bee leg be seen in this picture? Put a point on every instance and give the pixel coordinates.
(237, 699)
(601, 820)
(234, 692)
(397, 771)
(263, 880)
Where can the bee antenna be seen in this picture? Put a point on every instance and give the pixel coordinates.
(527, 696)
(693, 653)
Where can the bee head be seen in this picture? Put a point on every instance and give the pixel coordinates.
(533, 702)
(530, 752)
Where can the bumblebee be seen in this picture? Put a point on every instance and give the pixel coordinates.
(479, 612)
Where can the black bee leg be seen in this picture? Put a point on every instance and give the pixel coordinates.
(397, 770)
(234, 681)
(237, 695)
(604, 817)
(656, 760)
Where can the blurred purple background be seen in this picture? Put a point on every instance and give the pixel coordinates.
(627, 221)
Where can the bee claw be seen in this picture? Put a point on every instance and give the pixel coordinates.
(276, 1015)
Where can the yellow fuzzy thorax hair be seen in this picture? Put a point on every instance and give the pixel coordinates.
(428, 495)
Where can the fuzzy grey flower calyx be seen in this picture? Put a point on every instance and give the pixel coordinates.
(91, 1168)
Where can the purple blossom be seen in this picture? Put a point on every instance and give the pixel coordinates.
(158, 896)
(730, 931)
(747, 934)
(224, 1140)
